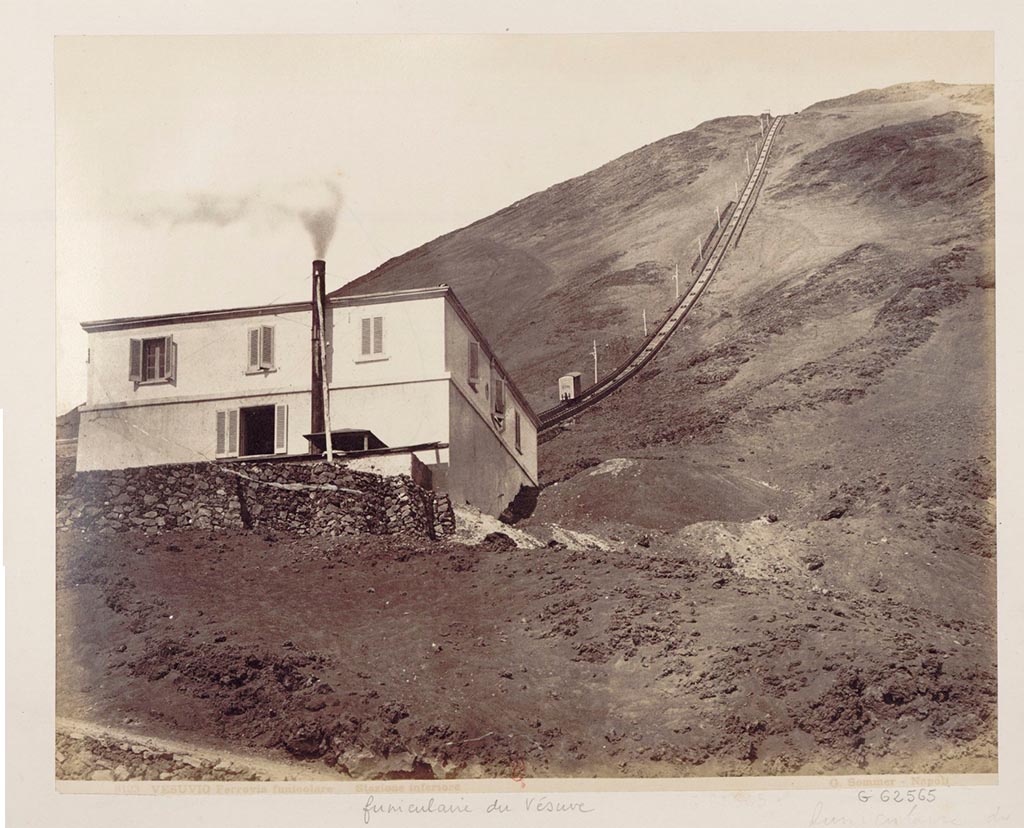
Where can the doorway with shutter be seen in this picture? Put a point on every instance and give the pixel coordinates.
(253, 431)
(256, 430)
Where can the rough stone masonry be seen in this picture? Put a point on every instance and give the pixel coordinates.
(315, 498)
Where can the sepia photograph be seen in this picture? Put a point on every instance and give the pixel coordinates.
(524, 407)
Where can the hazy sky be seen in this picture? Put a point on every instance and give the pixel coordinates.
(183, 163)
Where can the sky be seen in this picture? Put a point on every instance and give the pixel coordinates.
(189, 169)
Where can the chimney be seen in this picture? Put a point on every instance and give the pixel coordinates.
(316, 425)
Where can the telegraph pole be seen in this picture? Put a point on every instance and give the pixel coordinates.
(718, 217)
(645, 323)
(595, 362)
(748, 163)
(677, 280)
(736, 189)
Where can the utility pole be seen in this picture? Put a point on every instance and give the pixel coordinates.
(736, 189)
(595, 362)
(645, 323)
(748, 163)
(718, 216)
(677, 280)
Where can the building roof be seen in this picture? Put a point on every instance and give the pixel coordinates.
(129, 322)
(184, 317)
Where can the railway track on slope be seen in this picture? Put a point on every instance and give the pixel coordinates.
(735, 222)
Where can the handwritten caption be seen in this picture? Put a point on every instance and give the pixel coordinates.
(374, 808)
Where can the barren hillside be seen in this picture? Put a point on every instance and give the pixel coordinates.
(578, 261)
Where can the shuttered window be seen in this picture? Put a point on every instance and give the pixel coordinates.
(367, 336)
(222, 433)
(233, 431)
(372, 340)
(170, 359)
(474, 362)
(254, 349)
(152, 360)
(519, 434)
(135, 361)
(280, 429)
(267, 347)
(378, 334)
(261, 348)
(227, 433)
(499, 396)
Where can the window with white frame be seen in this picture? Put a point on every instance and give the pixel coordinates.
(371, 343)
(261, 349)
(152, 360)
(498, 398)
(474, 363)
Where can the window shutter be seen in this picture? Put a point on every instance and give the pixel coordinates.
(222, 433)
(267, 347)
(519, 433)
(232, 432)
(135, 361)
(367, 336)
(280, 429)
(378, 334)
(499, 396)
(474, 362)
(170, 358)
(254, 349)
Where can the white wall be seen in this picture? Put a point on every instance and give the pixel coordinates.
(403, 414)
(212, 360)
(392, 465)
(175, 432)
(457, 339)
(175, 422)
(482, 472)
(213, 355)
(413, 342)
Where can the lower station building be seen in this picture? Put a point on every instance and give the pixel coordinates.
(411, 384)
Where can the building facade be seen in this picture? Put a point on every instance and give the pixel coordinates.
(405, 370)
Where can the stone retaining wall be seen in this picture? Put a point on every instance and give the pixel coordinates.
(303, 497)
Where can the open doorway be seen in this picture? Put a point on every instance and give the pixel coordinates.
(256, 431)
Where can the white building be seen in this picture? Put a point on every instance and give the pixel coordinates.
(409, 375)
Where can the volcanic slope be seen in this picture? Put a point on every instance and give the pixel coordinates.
(547, 275)
(837, 382)
(824, 420)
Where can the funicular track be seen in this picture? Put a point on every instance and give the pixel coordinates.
(729, 234)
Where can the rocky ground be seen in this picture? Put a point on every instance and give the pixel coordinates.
(653, 654)
(95, 758)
